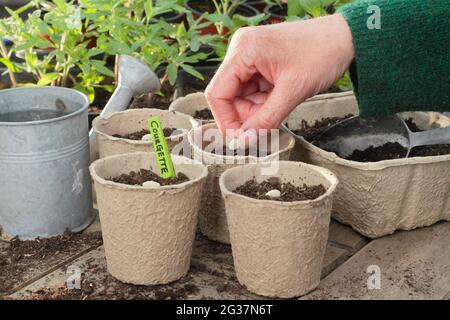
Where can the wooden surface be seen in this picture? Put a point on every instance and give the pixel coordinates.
(413, 265)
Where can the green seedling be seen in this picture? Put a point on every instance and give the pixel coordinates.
(163, 159)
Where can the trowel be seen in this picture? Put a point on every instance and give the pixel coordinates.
(358, 133)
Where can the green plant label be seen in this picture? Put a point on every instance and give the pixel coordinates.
(163, 159)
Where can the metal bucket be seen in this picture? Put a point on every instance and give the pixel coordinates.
(45, 187)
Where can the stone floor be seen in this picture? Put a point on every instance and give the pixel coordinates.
(412, 265)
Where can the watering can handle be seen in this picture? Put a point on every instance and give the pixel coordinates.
(431, 137)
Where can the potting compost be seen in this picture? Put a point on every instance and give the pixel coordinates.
(144, 175)
(140, 134)
(289, 192)
(204, 114)
(388, 151)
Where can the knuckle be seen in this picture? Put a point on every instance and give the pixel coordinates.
(244, 35)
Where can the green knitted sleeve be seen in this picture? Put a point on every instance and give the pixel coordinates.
(402, 59)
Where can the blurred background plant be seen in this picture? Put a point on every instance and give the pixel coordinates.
(75, 43)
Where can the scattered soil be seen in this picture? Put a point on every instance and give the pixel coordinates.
(138, 178)
(309, 133)
(139, 134)
(387, 151)
(204, 114)
(98, 284)
(289, 192)
(160, 100)
(21, 256)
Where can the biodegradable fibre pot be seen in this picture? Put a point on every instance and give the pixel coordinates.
(147, 233)
(378, 198)
(134, 120)
(190, 104)
(212, 217)
(278, 247)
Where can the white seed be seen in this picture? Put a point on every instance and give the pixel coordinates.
(147, 137)
(234, 144)
(274, 194)
(151, 185)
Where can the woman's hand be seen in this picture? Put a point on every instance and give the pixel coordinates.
(269, 70)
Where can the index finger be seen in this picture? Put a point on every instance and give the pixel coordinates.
(222, 91)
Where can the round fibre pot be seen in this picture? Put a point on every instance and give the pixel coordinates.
(133, 120)
(278, 247)
(147, 233)
(190, 104)
(212, 218)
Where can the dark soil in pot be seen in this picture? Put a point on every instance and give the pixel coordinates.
(309, 133)
(203, 114)
(395, 150)
(387, 151)
(373, 154)
(138, 178)
(21, 256)
(289, 192)
(140, 134)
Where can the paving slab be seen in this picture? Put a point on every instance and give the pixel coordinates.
(345, 237)
(217, 257)
(412, 265)
(211, 277)
(96, 283)
(20, 270)
(334, 257)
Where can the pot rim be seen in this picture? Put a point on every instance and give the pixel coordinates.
(120, 186)
(84, 98)
(289, 146)
(195, 95)
(364, 166)
(326, 174)
(96, 122)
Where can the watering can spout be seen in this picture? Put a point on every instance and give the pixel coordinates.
(135, 79)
